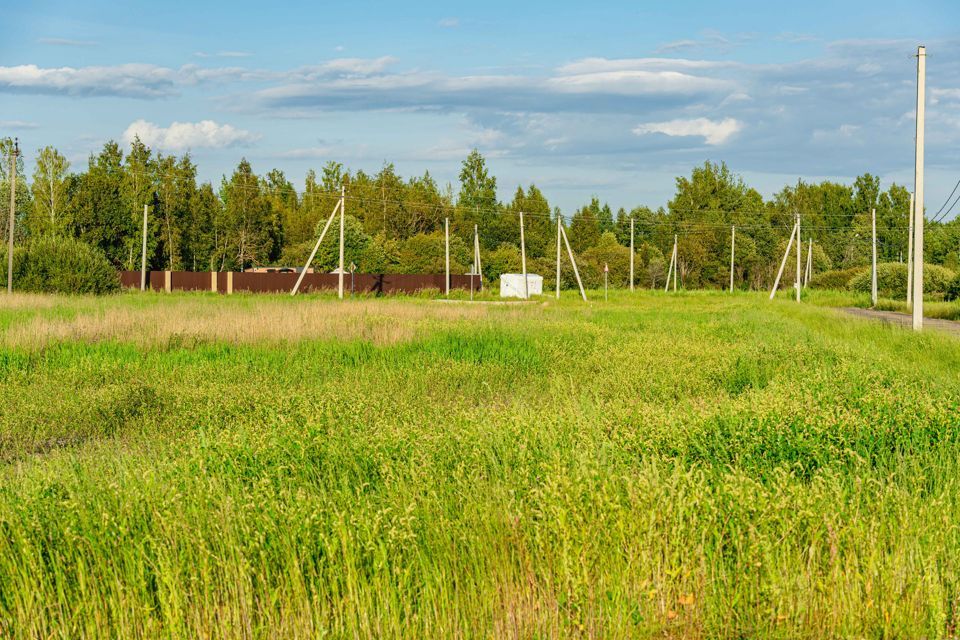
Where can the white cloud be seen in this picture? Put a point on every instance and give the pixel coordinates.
(134, 80)
(449, 23)
(714, 132)
(181, 136)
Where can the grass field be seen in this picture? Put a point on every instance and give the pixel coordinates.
(692, 465)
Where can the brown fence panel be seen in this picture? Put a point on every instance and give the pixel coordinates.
(130, 279)
(190, 281)
(157, 280)
(375, 283)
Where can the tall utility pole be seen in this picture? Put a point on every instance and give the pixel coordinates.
(476, 253)
(446, 254)
(873, 272)
(558, 257)
(523, 261)
(143, 253)
(675, 260)
(733, 249)
(13, 212)
(631, 253)
(918, 193)
(343, 205)
(910, 254)
(809, 269)
(799, 250)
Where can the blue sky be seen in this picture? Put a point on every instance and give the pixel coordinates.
(610, 99)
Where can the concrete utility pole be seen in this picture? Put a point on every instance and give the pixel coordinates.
(918, 193)
(13, 212)
(873, 272)
(558, 257)
(809, 270)
(783, 264)
(733, 249)
(143, 253)
(910, 255)
(523, 261)
(676, 255)
(343, 206)
(446, 253)
(631, 254)
(573, 261)
(799, 250)
(476, 253)
(306, 266)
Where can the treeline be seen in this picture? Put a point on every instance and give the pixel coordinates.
(395, 224)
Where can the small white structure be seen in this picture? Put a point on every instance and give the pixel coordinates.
(511, 285)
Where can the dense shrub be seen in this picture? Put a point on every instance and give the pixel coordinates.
(953, 289)
(58, 264)
(892, 280)
(837, 278)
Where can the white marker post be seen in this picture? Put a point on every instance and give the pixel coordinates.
(918, 193)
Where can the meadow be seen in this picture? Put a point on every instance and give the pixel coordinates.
(683, 465)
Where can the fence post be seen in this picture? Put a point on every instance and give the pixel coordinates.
(213, 281)
(168, 281)
(229, 282)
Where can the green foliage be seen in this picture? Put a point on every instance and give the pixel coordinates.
(953, 289)
(892, 280)
(59, 264)
(837, 279)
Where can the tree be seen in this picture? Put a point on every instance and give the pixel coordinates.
(23, 203)
(49, 191)
(477, 202)
(248, 239)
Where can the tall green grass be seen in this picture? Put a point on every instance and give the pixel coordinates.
(691, 465)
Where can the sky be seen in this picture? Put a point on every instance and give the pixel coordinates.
(606, 99)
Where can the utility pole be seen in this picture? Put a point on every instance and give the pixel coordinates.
(733, 249)
(676, 255)
(910, 254)
(476, 253)
(631, 253)
(809, 273)
(446, 253)
(523, 261)
(558, 257)
(143, 253)
(783, 264)
(799, 250)
(918, 193)
(13, 212)
(343, 205)
(873, 272)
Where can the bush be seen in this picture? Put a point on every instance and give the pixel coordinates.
(892, 280)
(58, 264)
(953, 289)
(837, 278)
